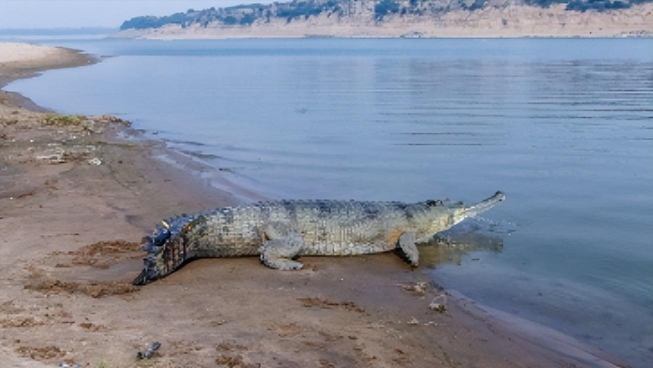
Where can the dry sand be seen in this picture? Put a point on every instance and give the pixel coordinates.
(23, 53)
(69, 247)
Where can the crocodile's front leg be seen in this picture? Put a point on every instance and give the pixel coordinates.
(283, 245)
(406, 245)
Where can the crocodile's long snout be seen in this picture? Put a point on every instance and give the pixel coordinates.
(484, 205)
(149, 273)
(144, 277)
(166, 250)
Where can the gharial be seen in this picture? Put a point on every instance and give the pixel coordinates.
(281, 231)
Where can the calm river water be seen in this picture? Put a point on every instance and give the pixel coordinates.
(563, 127)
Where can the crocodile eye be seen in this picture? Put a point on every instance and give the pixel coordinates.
(160, 239)
(433, 203)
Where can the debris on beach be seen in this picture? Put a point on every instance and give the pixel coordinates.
(69, 365)
(57, 153)
(52, 155)
(418, 288)
(149, 353)
(413, 322)
(439, 304)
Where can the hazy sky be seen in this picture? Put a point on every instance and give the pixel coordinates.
(94, 13)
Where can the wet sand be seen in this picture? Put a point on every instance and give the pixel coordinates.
(78, 193)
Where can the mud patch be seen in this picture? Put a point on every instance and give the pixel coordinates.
(91, 327)
(20, 322)
(9, 308)
(401, 358)
(181, 347)
(60, 315)
(104, 254)
(287, 330)
(92, 289)
(328, 304)
(229, 346)
(235, 361)
(44, 353)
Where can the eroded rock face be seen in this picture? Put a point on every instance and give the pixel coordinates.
(380, 18)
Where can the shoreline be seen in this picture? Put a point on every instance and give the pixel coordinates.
(271, 36)
(11, 70)
(71, 247)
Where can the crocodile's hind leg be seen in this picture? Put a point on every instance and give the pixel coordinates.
(406, 245)
(284, 245)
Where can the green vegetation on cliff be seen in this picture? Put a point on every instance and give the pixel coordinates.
(385, 7)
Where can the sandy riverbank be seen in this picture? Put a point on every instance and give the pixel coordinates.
(69, 248)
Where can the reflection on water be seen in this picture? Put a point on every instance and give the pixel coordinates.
(452, 245)
(563, 127)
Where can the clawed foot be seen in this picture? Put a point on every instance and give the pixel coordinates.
(279, 251)
(408, 249)
(282, 264)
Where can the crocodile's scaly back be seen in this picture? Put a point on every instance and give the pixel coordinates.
(328, 227)
(337, 228)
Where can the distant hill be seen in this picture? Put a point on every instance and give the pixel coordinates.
(325, 17)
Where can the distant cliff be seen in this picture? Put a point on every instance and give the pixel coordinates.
(404, 18)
